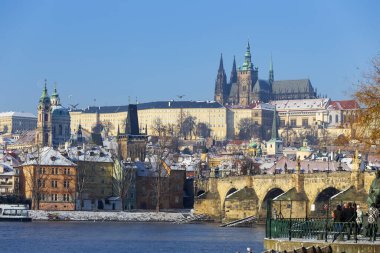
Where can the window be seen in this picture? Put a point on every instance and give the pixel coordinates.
(336, 118)
(66, 184)
(66, 197)
(293, 123)
(54, 197)
(330, 119)
(305, 122)
(46, 117)
(256, 114)
(42, 196)
(54, 184)
(282, 123)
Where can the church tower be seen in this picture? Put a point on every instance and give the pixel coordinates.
(43, 132)
(54, 99)
(271, 74)
(247, 77)
(220, 83)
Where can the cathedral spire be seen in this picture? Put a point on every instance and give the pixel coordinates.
(220, 83)
(274, 126)
(221, 68)
(271, 74)
(233, 77)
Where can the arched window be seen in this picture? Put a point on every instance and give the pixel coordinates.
(46, 117)
(330, 119)
(336, 118)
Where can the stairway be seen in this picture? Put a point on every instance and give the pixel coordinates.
(244, 221)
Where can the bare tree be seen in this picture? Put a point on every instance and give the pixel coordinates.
(203, 130)
(159, 171)
(188, 126)
(83, 174)
(248, 129)
(123, 178)
(158, 127)
(35, 178)
(107, 127)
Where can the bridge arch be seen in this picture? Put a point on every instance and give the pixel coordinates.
(271, 194)
(321, 201)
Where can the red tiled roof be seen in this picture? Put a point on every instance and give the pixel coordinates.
(345, 105)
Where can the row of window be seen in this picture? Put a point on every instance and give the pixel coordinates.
(56, 197)
(53, 183)
(53, 171)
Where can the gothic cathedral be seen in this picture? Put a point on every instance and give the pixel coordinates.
(245, 87)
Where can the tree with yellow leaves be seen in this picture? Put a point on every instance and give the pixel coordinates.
(368, 96)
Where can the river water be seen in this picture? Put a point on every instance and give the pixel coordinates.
(72, 237)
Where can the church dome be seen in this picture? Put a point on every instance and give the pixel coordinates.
(59, 111)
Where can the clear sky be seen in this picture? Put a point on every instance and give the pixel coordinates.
(155, 50)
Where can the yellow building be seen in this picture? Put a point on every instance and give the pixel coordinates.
(16, 122)
(169, 112)
(260, 113)
(223, 121)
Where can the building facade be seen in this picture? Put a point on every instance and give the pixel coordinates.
(94, 174)
(169, 112)
(245, 87)
(49, 180)
(17, 122)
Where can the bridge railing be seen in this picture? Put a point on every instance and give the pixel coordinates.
(315, 229)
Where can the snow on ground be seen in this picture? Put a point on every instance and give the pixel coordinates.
(109, 216)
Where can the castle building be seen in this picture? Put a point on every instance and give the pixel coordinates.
(53, 121)
(245, 87)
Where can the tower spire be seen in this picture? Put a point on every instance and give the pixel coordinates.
(233, 77)
(221, 68)
(55, 100)
(271, 74)
(220, 83)
(274, 126)
(247, 65)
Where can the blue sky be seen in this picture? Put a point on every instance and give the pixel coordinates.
(155, 50)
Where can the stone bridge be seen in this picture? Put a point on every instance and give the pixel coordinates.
(232, 198)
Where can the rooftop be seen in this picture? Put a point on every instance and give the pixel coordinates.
(17, 114)
(301, 104)
(153, 105)
(47, 156)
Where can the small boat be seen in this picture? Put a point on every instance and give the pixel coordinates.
(14, 212)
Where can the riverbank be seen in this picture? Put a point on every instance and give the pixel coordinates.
(109, 216)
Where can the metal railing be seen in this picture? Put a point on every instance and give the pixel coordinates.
(316, 229)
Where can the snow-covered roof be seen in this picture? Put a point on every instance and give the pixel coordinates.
(49, 157)
(7, 170)
(301, 104)
(18, 114)
(94, 154)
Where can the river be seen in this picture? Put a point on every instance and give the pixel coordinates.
(72, 237)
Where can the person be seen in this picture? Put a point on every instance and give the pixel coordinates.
(359, 219)
(373, 215)
(350, 219)
(337, 218)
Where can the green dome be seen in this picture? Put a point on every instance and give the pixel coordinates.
(253, 145)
